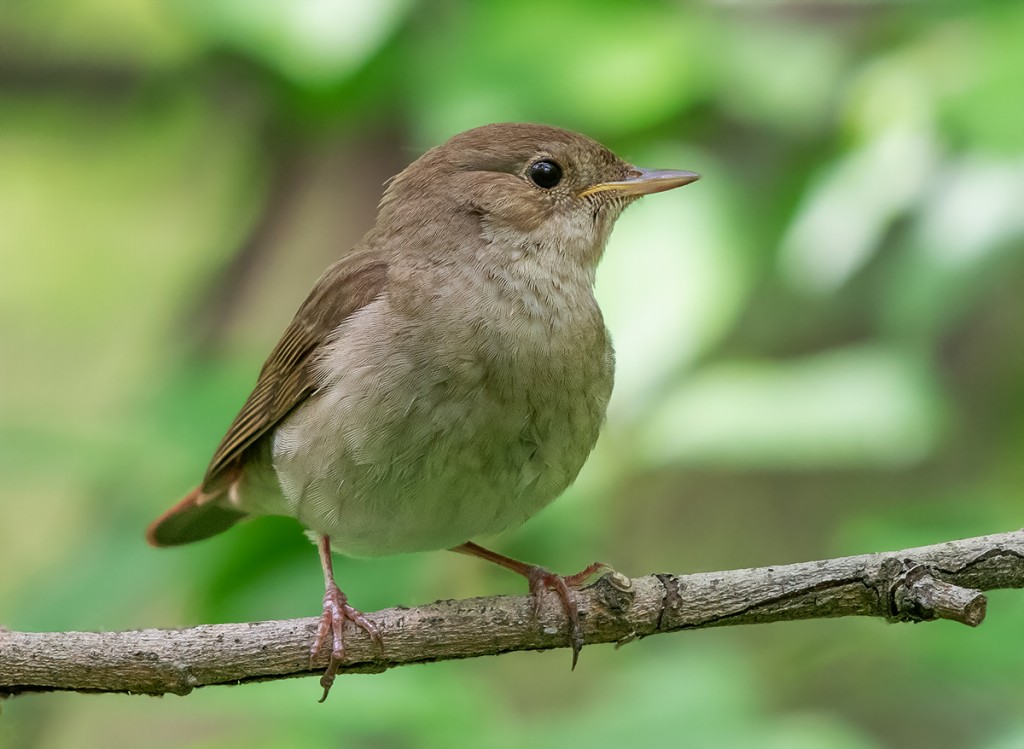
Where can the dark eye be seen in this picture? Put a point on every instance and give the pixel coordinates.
(545, 173)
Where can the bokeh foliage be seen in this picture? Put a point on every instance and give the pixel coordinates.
(820, 344)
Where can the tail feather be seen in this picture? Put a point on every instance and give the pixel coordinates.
(197, 516)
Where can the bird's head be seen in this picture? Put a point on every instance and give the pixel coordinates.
(528, 186)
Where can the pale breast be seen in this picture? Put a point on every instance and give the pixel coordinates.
(455, 424)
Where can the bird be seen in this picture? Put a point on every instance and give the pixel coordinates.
(444, 380)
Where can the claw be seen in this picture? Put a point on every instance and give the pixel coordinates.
(565, 586)
(540, 579)
(332, 622)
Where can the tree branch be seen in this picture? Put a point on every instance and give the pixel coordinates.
(931, 582)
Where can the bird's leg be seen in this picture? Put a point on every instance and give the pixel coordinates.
(336, 613)
(539, 579)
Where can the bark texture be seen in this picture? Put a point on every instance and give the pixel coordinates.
(943, 581)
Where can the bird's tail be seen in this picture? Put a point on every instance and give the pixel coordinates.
(199, 515)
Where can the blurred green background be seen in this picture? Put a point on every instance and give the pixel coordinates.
(821, 345)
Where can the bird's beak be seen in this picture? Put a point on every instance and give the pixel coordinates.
(644, 182)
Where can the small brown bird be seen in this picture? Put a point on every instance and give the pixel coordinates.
(448, 377)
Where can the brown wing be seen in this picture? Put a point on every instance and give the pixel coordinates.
(288, 376)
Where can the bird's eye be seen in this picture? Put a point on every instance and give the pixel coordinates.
(545, 173)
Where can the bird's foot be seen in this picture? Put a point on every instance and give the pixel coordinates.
(332, 622)
(541, 579)
(565, 586)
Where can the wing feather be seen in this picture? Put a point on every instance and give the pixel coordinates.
(288, 376)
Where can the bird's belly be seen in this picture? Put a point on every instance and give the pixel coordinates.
(429, 479)
(396, 456)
